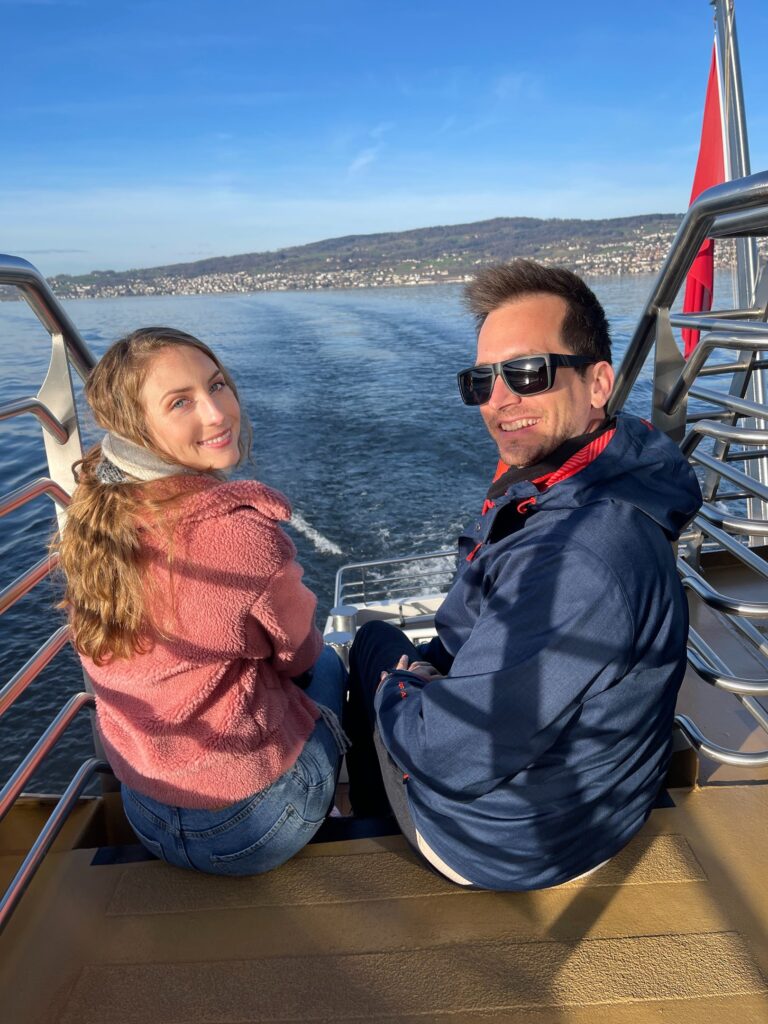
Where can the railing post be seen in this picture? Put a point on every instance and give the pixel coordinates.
(737, 165)
(58, 395)
(668, 366)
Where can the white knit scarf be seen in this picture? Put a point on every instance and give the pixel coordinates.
(132, 460)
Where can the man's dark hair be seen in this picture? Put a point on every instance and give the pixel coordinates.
(585, 327)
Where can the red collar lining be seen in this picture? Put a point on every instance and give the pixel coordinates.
(576, 463)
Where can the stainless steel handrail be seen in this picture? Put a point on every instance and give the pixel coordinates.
(44, 745)
(30, 671)
(739, 551)
(47, 308)
(723, 755)
(706, 346)
(55, 409)
(692, 581)
(748, 194)
(24, 583)
(720, 369)
(749, 527)
(742, 406)
(731, 473)
(15, 499)
(50, 422)
(732, 684)
(379, 564)
(47, 836)
(737, 208)
(720, 431)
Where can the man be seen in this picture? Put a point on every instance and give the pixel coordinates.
(527, 743)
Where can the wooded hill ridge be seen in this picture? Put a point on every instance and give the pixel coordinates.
(420, 256)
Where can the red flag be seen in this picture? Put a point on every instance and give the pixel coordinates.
(710, 170)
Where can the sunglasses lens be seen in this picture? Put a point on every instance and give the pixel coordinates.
(529, 375)
(526, 377)
(476, 385)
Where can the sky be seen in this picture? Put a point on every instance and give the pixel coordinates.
(146, 132)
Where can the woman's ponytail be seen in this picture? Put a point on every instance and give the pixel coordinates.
(100, 554)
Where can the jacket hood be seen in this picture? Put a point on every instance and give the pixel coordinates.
(640, 466)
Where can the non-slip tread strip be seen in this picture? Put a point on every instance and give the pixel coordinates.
(155, 888)
(443, 980)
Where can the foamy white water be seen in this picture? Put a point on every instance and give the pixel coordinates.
(321, 543)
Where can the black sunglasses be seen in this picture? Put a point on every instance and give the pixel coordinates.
(528, 375)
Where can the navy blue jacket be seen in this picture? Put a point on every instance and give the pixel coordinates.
(542, 751)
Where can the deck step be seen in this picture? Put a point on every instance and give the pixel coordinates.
(369, 877)
(476, 977)
(360, 930)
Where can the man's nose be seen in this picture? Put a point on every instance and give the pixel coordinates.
(501, 395)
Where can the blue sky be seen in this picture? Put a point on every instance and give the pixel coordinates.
(140, 133)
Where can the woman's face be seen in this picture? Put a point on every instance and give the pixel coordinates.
(191, 412)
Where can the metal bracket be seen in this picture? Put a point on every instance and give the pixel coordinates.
(669, 363)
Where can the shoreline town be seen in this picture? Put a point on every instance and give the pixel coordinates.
(640, 251)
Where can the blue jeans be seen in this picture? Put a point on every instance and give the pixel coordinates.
(263, 830)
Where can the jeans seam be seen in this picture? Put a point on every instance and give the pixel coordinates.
(227, 858)
(230, 823)
(144, 812)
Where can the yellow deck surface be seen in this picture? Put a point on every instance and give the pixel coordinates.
(674, 929)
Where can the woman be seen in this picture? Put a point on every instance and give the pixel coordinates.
(189, 615)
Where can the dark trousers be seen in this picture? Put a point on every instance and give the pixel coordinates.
(376, 785)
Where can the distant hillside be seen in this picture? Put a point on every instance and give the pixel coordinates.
(425, 255)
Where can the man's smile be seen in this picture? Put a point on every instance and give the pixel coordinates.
(509, 426)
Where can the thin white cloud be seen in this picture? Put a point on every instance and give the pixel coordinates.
(381, 129)
(370, 154)
(54, 252)
(363, 159)
(446, 126)
(516, 85)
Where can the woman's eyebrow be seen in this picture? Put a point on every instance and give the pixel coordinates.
(189, 387)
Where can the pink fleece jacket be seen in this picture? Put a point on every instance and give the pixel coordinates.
(210, 715)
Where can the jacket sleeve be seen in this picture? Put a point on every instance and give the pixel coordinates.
(554, 629)
(286, 611)
(280, 623)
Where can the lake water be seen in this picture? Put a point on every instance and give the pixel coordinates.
(356, 416)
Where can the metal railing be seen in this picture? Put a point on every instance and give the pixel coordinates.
(55, 409)
(730, 520)
(390, 579)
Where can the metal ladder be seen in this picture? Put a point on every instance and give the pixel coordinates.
(732, 518)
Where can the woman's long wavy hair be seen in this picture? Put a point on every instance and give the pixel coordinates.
(100, 545)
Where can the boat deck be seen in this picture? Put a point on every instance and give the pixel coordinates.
(675, 927)
(358, 930)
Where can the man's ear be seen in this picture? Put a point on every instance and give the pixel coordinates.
(602, 384)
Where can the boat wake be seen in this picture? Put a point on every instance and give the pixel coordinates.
(321, 543)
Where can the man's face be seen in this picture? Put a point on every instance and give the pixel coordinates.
(526, 429)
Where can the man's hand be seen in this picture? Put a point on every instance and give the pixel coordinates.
(423, 669)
